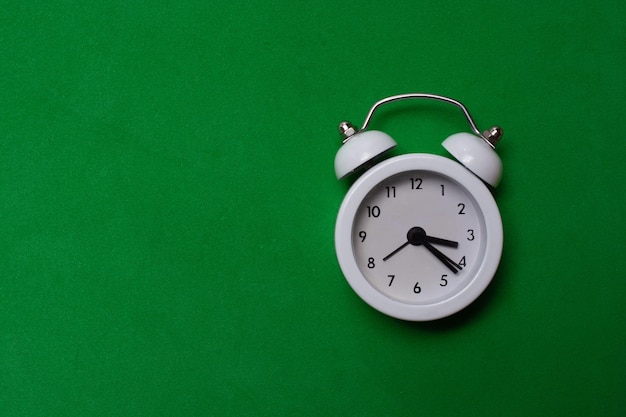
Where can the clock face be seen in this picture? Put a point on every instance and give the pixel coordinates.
(418, 237)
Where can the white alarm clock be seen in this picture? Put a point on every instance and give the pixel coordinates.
(419, 236)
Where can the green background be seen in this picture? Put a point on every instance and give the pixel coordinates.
(167, 207)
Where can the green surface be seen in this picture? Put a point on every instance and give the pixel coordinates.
(167, 207)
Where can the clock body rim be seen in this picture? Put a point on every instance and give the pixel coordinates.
(493, 235)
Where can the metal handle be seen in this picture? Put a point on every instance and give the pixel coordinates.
(491, 136)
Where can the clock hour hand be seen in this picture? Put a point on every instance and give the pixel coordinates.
(443, 242)
(452, 266)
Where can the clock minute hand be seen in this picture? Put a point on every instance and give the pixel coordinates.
(452, 266)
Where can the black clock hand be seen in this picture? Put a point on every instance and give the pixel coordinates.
(443, 242)
(404, 245)
(443, 258)
(417, 236)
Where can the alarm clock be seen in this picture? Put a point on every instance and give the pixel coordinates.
(419, 236)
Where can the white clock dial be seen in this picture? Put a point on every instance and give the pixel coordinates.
(417, 236)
